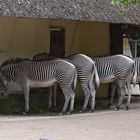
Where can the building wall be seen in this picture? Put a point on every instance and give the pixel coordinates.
(94, 38)
(26, 37)
(94, 41)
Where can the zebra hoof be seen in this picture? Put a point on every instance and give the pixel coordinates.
(111, 106)
(117, 108)
(25, 113)
(69, 112)
(126, 108)
(92, 110)
(85, 110)
(61, 114)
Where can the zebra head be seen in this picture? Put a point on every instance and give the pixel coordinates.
(3, 86)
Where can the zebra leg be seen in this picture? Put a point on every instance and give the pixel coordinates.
(93, 101)
(129, 96)
(67, 99)
(113, 89)
(92, 95)
(72, 101)
(26, 96)
(65, 89)
(123, 91)
(87, 94)
(54, 93)
(50, 98)
(67, 96)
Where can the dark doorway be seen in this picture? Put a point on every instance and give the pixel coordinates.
(116, 39)
(57, 42)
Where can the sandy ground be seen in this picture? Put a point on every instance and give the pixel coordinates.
(104, 125)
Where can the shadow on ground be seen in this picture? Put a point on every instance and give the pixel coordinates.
(14, 104)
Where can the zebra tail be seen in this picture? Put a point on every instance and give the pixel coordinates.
(74, 80)
(134, 79)
(95, 72)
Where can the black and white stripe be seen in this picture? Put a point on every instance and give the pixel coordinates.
(42, 74)
(86, 71)
(118, 68)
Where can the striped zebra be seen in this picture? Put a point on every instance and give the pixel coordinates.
(118, 69)
(137, 78)
(40, 74)
(86, 72)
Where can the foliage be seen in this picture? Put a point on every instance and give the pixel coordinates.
(135, 36)
(125, 3)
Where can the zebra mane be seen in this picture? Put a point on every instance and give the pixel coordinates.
(100, 56)
(42, 53)
(71, 55)
(104, 55)
(43, 56)
(14, 61)
(108, 55)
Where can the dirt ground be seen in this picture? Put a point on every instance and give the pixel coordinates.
(102, 125)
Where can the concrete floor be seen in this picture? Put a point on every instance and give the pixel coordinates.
(103, 125)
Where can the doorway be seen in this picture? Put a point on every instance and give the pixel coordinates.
(57, 42)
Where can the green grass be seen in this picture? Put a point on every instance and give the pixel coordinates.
(14, 104)
(11, 105)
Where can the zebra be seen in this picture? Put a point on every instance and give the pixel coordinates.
(137, 77)
(86, 72)
(118, 69)
(40, 74)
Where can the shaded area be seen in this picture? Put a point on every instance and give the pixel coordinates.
(14, 104)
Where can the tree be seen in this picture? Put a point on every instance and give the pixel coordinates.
(125, 3)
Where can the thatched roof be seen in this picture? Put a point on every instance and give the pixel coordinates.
(86, 10)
